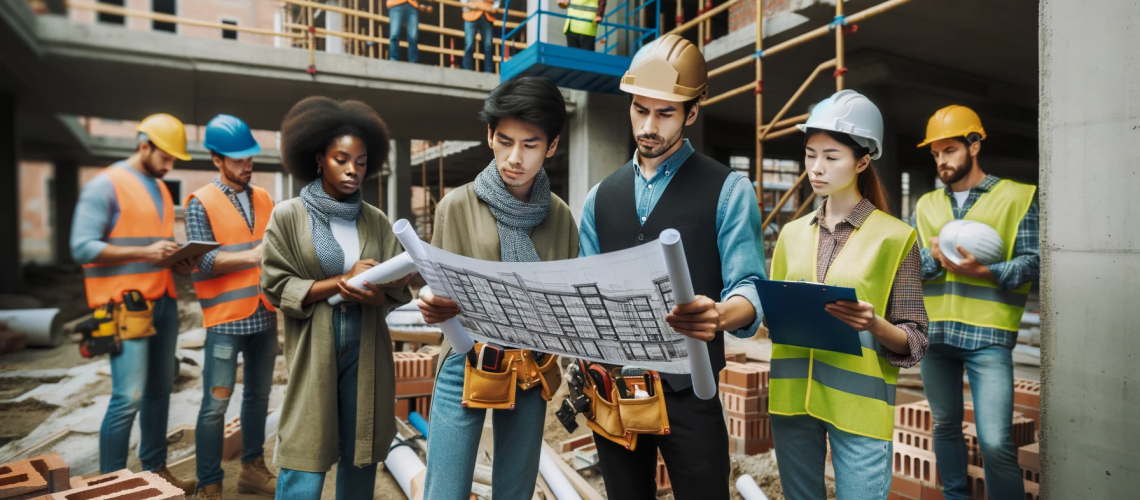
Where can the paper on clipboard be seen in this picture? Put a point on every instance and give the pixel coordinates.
(189, 250)
(795, 314)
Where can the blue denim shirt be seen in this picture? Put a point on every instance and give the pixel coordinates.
(737, 228)
(97, 211)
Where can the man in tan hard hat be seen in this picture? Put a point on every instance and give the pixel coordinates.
(975, 308)
(669, 185)
(124, 223)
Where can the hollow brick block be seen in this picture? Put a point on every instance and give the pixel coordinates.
(54, 470)
(231, 439)
(412, 365)
(144, 485)
(21, 480)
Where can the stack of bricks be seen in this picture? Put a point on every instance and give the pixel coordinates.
(1027, 399)
(415, 379)
(744, 395)
(231, 439)
(34, 477)
(743, 13)
(47, 477)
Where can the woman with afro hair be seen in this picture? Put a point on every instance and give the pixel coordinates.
(340, 401)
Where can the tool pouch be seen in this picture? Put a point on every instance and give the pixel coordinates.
(134, 324)
(549, 375)
(622, 420)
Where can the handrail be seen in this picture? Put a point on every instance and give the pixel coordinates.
(701, 18)
(381, 18)
(783, 200)
(453, 3)
(383, 41)
(539, 12)
(167, 18)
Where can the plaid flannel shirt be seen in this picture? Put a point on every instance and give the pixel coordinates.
(198, 228)
(1024, 267)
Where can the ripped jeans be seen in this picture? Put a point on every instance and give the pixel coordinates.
(259, 351)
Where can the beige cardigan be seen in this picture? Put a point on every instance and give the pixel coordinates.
(307, 439)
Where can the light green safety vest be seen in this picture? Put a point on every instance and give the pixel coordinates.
(583, 12)
(853, 393)
(974, 301)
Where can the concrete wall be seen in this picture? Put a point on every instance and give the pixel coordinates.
(1090, 169)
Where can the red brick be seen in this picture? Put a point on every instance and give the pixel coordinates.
(54, 470)
(906, 487)
(746, 393)
(735, 357)
(125, 487)
(976, 484)
(750, 427)
(765, 373)
(1027, 393)
(915, 463)
(968, 412)
(915, 417)
(1024, 431)
(914, 439)
(11, 341)
(1033, 414)
(403, 408)
(412, 388)
(663, 484)
(422, 405)
(754, 447)
(1031, 475)
(740, 405)
(895, 496)
(21, 480)
(576, 442)
(930, 492)
(973, 449)
(741, 376)
(1032, 490)
(1028, 456)
(79, 482)
(231, 439)
(412, 365)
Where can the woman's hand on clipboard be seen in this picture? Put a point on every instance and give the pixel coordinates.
(858, 315)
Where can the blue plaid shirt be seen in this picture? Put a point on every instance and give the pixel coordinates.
(1024, 267)
(198, 228)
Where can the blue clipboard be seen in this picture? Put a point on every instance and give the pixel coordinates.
(795, 314)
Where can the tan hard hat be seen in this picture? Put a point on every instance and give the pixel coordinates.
(669, 68)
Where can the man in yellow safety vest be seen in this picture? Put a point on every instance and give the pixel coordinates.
(582, 26)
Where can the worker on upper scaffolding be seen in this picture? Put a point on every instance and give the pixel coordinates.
(668, 184)
(403, 15)
(975, 302)
(478, 19)
(582, 27)
(124, 224)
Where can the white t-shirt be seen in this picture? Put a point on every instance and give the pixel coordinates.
(344, 232)
(961, 197)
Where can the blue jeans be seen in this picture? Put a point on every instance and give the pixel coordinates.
(990, 370)
(352, 482)
(482, 27)
(142, 377)
(401, 16)
(259, 350)
(453, 440)
(862, 464)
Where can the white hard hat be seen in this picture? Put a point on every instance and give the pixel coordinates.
(851, 113)
(976, 237)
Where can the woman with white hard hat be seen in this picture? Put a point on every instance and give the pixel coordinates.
(819, 396)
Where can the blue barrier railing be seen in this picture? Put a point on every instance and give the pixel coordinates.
(641, 35)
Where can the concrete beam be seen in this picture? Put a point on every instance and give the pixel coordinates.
(599, 144)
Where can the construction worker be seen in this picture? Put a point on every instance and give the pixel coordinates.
(511, 198)
(478, 19)
(816, 396)
(124, 223)
(237, 316)
(403, 15)
(669, 185)
(975, 309)
(582, 27)
(339, 404)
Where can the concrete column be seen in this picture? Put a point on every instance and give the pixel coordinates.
(551, 26)
(334, 23)
(11, 275)
(599, 142)
(399, 195)
(66, 195)
(1090, 248)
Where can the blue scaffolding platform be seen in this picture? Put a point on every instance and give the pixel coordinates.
(592, 71)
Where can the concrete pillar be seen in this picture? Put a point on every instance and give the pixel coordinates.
(370, 191)
(65, 196)
(334, 23)
(11, 274)
(399, 195)
(1090, 248)
(599, 142)
(551, 26)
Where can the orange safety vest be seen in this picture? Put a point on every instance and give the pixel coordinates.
(138, 226)
(232, 296)
(473, 14)
(393, 3)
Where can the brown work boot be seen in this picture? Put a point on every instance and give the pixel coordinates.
(189, 485)
(257, 479)
(210, 492)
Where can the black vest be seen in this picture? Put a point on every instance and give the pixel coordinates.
(689, 205)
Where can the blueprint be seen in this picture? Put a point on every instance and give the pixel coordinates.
(606, 308)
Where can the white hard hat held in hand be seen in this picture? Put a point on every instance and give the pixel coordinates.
(978, 238)
(851, 113)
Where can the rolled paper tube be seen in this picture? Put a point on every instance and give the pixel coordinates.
(403, 463)
(557, 481)
(388, 271)
(458, 337)
(700, 367)
(748, 488)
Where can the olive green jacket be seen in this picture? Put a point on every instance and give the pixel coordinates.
(307, 439)
(464, 226)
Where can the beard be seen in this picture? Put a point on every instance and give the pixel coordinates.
(958, 173)
(149, 166)
(662, 145)
(234, 179)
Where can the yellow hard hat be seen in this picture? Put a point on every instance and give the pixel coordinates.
(953, 121)
(669, 68)
(167, 133)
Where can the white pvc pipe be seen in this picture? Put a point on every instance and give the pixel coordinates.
(748, 488)
(557, 481)
(388, 271)
(458, 337)
(700, 367)
(404, 464)
(42, 327)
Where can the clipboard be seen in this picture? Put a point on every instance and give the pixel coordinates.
(189, 250)
(795, 314)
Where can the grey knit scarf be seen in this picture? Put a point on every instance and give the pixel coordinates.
(321, 207)
(513, 217)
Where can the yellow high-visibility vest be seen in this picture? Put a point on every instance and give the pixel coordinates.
(974, 301)
(583, 13)
(853, 393)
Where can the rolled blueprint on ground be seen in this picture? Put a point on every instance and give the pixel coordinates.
(404, 465)
(700, 367)
(748, 488)
(387, 272)
(458, 337)
(557, 481)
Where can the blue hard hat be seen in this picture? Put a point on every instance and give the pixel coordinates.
(230, 137)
